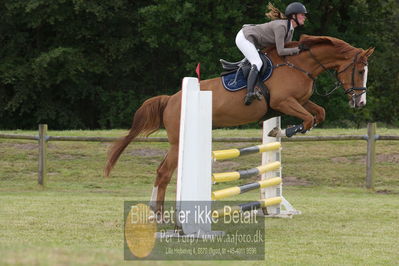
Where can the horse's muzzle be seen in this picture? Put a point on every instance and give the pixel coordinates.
(357, 100)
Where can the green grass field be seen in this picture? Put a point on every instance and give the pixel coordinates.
(77, 219)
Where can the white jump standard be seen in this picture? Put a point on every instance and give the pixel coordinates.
(194, 177)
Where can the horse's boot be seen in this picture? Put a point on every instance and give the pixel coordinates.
(252, 79)
(291, 131)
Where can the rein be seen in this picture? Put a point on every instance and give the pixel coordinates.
(295, 67)
(338, 82)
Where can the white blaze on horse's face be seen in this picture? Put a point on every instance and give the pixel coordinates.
(358, 97)
(363, 99)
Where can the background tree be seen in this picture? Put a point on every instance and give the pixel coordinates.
(90, 64)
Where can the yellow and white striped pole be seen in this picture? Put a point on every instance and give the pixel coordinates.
(232, 191)
(254, 205)
(231, 176)
(233, 153)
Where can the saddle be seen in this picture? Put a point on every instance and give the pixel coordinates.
(234, 77)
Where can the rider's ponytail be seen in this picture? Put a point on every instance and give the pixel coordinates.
(274, 13)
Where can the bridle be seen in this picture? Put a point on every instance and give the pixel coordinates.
(351, 91)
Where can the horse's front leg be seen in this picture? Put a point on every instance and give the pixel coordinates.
(318, 111)
(292, 107)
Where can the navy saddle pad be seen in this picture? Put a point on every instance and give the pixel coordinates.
(236, 81)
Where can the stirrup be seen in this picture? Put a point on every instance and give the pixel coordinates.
(258, 95)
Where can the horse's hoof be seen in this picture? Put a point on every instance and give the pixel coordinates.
(153, 205)
(274, 132)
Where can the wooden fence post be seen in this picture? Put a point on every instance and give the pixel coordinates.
(42, 179)
(370, 163)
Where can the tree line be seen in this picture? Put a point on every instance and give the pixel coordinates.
(90, 64)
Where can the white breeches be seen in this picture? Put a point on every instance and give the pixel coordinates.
(248, 49)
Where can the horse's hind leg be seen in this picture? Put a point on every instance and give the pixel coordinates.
(164, 174)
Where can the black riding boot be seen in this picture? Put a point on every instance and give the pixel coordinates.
(252, 79)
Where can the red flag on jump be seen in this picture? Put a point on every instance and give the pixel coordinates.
(198, 71)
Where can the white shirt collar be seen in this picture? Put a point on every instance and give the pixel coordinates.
(292, 27)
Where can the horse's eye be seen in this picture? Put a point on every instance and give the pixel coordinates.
(361, 72)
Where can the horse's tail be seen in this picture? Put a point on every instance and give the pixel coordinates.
(146, 120)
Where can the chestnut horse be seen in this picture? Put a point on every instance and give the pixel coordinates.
(290, 87)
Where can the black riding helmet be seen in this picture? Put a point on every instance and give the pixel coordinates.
(295, 8)
(292, 9)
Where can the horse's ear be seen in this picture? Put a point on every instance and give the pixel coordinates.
(368, 52)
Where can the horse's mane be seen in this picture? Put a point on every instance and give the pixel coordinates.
(342, 47)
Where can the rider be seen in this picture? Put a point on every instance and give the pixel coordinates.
(274, 33)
